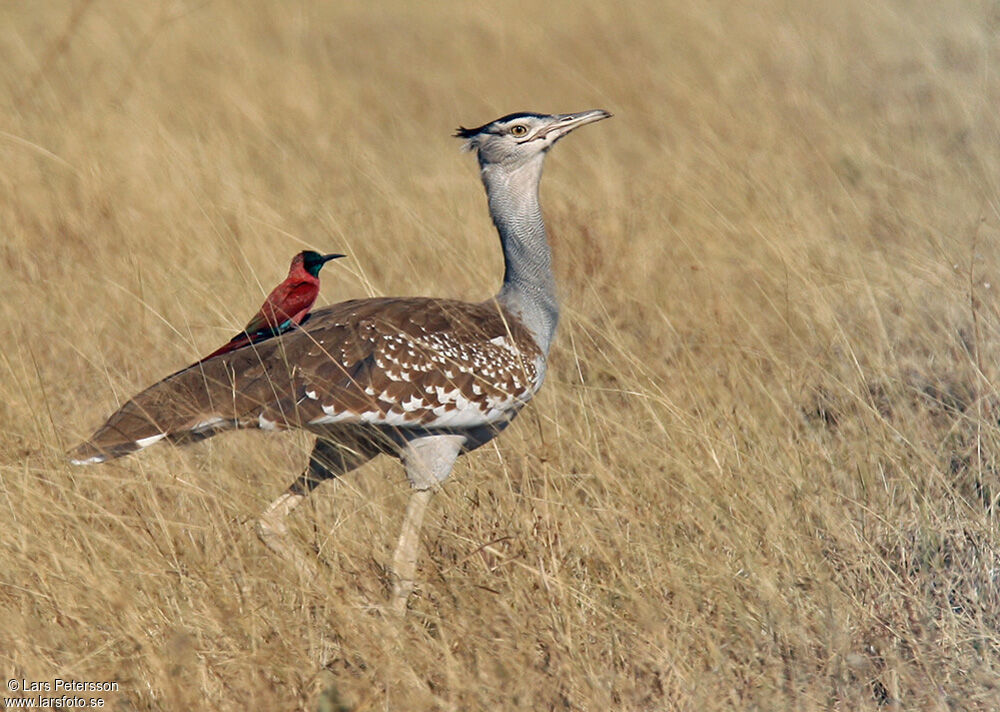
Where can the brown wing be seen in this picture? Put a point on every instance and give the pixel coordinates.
(411, 362)
(395, 362)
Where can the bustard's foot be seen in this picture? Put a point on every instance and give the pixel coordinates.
(401, 591)
(404, 561)
(273, 531)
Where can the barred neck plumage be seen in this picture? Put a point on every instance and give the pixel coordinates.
(529, 289)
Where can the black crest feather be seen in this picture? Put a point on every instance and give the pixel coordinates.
(462, 132)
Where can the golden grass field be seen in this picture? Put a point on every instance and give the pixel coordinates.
(764, 471)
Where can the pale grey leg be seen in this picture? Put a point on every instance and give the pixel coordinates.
(273, 531)
(428, 462)
(328, 460)
(404, 561)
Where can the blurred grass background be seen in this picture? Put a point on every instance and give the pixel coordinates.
(762, 474)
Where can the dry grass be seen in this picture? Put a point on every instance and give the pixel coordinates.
(763, 473)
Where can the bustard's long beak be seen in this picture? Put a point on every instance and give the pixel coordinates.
(565, 123)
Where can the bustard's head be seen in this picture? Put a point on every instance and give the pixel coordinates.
(515, 139)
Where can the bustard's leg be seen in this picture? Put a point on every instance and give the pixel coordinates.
(428, 462)
(327, 461)
(404, 561)
(273, 531)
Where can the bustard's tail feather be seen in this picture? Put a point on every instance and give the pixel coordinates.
(190, 405)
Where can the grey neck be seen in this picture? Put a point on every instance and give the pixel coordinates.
(529, 289)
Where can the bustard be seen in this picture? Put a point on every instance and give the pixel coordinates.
(422, 379)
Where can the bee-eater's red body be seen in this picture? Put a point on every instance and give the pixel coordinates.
(286, 306)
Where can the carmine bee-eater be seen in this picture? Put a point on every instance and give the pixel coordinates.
(286, 306)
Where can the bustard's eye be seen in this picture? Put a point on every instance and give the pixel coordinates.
(519, 130)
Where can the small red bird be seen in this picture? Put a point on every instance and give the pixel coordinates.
(286, 306)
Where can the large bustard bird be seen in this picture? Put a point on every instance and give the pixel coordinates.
(422, 379)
